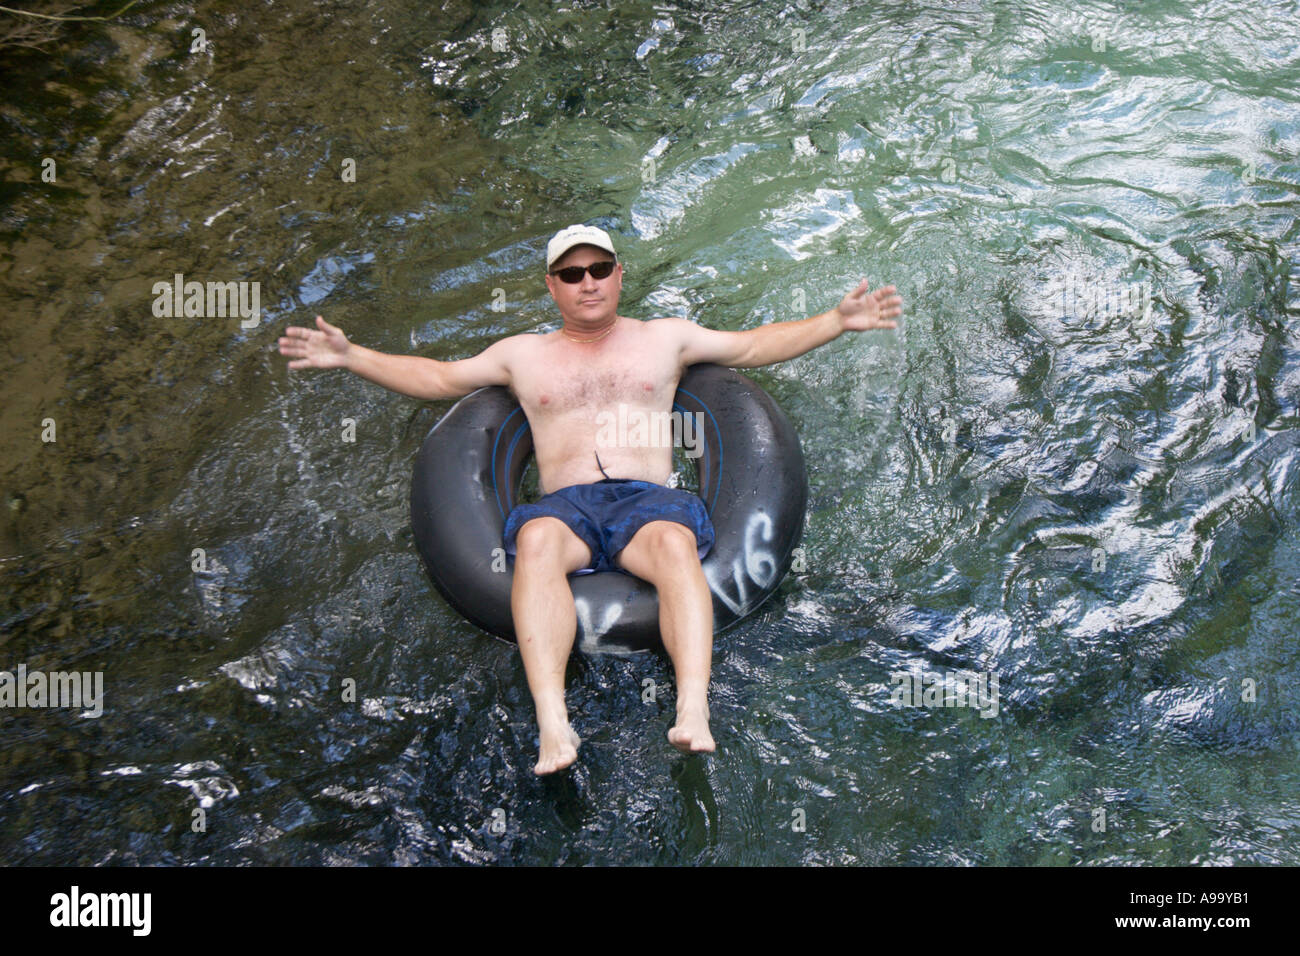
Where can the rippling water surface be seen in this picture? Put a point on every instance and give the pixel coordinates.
(1073, 468)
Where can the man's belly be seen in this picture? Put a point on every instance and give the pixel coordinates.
(634, 446)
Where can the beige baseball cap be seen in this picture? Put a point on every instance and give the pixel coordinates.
(577, 235)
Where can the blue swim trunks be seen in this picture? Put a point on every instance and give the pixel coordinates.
(606, 514)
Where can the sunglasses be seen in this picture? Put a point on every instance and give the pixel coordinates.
(573, 274)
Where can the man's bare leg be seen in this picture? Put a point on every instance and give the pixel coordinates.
(665, 554)
(545, 626)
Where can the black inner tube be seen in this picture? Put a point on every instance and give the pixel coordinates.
(752, 480)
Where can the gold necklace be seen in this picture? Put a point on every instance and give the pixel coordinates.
(596, 339)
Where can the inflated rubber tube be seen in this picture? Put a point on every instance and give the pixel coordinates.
(752, 480)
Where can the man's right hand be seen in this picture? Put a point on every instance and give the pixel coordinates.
(327, 348)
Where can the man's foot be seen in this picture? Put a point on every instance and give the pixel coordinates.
(691, 734)
(559, 750)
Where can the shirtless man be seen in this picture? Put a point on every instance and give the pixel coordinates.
(565, 380)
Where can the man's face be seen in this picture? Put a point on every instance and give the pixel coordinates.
(590, 302)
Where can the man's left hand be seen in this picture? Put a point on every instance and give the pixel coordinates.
(861, 310)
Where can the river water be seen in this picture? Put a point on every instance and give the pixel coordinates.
(1072, 470)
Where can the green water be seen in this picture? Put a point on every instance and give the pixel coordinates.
(1037, 477)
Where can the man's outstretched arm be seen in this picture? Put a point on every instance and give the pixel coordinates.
(858, 311)
(423, 378)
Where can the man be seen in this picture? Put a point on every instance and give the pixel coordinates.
(604, 504)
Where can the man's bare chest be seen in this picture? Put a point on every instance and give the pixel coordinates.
(561, 384)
